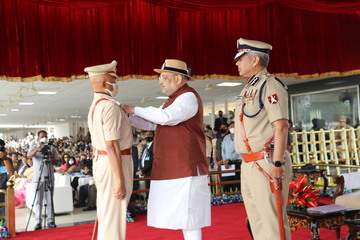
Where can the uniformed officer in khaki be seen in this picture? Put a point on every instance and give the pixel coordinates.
(263, 107)
(111, 137)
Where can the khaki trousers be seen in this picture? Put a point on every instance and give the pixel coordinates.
(260, 202)
(111, 212)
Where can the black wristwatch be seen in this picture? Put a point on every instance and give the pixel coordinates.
(278, 163)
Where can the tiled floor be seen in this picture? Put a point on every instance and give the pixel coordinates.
(78, 216)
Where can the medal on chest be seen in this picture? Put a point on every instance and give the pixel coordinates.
(249, 95)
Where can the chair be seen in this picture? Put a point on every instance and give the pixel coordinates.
(350, 181)
(63, 200)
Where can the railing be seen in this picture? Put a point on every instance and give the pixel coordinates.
(215, 186)
(9, 208)
(327, 148)
(219, 183)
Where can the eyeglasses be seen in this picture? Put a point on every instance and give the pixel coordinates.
(164, 77)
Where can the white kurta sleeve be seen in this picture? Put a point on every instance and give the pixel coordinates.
(141, 123)
(183, 108)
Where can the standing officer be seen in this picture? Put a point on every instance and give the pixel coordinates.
(111, 137)
(261, 118)
(179, 194)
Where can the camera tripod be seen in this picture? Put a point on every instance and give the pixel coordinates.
(43, 188)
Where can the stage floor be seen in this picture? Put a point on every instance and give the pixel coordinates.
(70, 219)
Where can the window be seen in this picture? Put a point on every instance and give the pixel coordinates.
(326, 105)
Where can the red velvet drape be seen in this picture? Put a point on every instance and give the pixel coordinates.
(55, 39)
(309, 5)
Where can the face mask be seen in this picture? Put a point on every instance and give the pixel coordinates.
(149, 139)
(223, 131)
(115, 87)
(43, 140)
(232, 130)
(71, 162)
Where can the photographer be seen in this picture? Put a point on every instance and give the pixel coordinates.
(43, 154)
(6, 168)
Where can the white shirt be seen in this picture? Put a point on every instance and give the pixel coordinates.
(183, 108)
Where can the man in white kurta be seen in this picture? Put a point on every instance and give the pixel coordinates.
(179, 195)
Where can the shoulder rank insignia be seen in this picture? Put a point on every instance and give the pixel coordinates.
(273, 99)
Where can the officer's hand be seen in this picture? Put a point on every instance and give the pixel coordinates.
(226, 163)
(277, 174)
(128, 109)
(119, 191)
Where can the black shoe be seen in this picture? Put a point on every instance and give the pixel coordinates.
(38, 227)
(79, 205)
(89, 208)
(51, 225)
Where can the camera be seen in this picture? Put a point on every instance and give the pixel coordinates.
(46, 150)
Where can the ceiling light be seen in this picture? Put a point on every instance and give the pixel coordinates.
(26, 103)
(228, 84)
(47, 93)
(62, 120)
(14, 110)
(162, 97)
(75, 116)
(3, 114)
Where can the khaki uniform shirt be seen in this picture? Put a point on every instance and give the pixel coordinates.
(259, 128)
(106, 125)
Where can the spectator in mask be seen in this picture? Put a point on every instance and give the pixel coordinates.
(220, 120)
(147, 158)
(230, 160)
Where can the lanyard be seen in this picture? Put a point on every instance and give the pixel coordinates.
(266, 147)
(93, 110)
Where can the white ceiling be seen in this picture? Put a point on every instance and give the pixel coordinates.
(74, 98)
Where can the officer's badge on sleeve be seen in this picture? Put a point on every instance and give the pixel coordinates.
(273, 99)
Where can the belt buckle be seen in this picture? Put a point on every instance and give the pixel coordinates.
(268, 157)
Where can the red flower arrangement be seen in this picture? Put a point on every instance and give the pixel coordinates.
(302, 195)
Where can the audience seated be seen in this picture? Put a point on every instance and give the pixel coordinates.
(23, 166)
(70, 165)
(20, 184)
(87, 192)
(68, 150)
(65, 159)
(85, 169)
(15, 160)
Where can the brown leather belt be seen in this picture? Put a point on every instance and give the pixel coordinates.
(250, 157)
(122, 152)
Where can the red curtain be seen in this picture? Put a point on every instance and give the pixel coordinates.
(55, 40)
(209, 5)
(80, 3)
